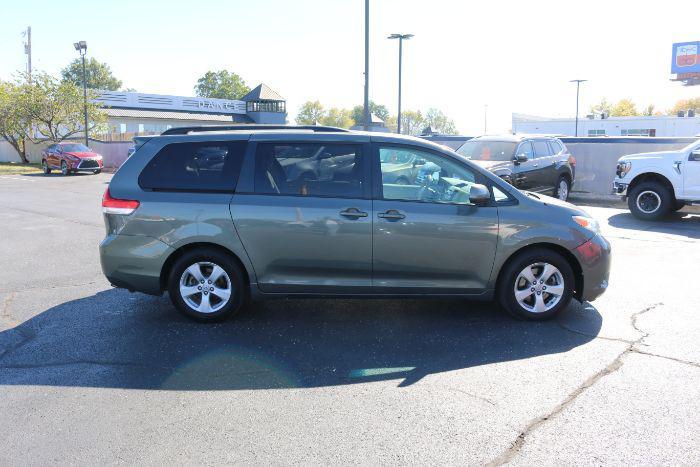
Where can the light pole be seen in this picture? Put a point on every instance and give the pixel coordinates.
(81, 47)
(486, 108)
(401, 38)
(578, 84)
(366, 103)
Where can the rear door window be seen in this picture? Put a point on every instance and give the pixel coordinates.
(205, 167)
(310, 169)
(541, 148)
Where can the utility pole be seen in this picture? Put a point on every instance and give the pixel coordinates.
(578, 84)
(401, 38)
(81, 47)
(366, 103)
(28, 52)
(486, 106)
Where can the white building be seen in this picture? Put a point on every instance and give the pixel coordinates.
(611, 126)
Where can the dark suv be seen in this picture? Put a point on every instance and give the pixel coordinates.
(216, 216)
(535, 163)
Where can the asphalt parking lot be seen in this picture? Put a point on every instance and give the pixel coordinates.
(91, 374)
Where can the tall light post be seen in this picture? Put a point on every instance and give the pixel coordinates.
(81, 47)
(578, 85)
(401, 38)
(486, 108)
(366, 103)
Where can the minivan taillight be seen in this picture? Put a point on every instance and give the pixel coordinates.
(118, 206)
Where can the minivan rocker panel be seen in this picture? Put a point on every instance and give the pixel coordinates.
(328, 233)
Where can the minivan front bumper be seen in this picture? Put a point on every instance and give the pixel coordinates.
(595, 257)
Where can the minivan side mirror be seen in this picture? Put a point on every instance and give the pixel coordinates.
(522, 157)
(695, 155)
(418, 162)
(479, 194)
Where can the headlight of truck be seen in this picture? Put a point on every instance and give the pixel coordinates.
(623, 168)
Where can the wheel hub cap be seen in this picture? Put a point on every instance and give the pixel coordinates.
(205, 287)
(539, 287)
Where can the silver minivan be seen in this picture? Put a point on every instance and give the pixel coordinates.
(215, 216)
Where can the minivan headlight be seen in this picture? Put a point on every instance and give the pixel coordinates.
(587, 223)
(623, 168)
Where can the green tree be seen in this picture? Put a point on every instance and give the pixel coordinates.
(439, 122)
(412, 122)
(624, 108)
(98, 75)
(54, 108)
(649, 110)
(686, 104)
(221, 84)
(14, 125)
(602, 107)
(341, 118)
(358, 113)
(311, 113)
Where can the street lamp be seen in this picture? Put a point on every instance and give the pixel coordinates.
(578, 84)
(81, 47)
(401, 38)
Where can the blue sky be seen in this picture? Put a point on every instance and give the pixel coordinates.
(513, 56)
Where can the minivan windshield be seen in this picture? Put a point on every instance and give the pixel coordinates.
(479, 150)
(75, 148)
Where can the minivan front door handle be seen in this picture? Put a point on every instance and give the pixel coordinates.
(353, 213)
(392, 215)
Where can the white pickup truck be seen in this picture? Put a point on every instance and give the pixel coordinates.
(656, 183)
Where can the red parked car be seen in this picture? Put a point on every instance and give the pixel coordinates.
(70, 158)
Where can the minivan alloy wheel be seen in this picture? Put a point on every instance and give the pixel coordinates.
(205, 287)
(539, 287)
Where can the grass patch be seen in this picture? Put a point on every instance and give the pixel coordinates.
(17, 168)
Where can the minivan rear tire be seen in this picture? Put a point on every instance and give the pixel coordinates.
(232, 275)
(511, 280)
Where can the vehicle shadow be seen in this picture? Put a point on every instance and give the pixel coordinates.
(119, 340)
(56, 173)
(677, 223)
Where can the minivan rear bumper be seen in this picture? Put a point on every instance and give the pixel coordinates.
(595, 257)
(134, 262)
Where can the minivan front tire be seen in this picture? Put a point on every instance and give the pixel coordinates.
(206, 285)
(536, 285)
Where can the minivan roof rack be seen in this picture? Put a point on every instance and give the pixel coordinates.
(184, 130)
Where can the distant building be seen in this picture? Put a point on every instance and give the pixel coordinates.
(670, 126)
(131, 114)
(376, 124)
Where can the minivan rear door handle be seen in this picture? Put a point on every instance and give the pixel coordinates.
(353, 213)
(392, 215)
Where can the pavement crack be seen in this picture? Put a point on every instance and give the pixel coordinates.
(677, 360)
(507, 455)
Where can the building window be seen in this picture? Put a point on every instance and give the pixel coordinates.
(122, 128)
(639, 132)
(266, 106)
(140, 127)
(596, 132)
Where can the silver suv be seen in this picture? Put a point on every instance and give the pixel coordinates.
(216, 216)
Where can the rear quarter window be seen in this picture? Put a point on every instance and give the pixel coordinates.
(557, 147)
(201, 167)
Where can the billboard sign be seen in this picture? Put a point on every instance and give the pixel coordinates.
(686, 57)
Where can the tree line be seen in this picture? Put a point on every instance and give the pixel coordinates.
(627, 108)
(413, 122)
